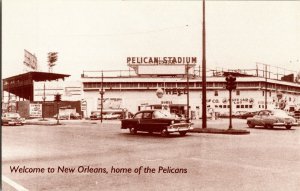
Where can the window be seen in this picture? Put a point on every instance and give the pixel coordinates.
(237, 106)
(138, 116)
(237, 92)
(250, 106)
(242, 106)
(216, 93)
(270, 94)
(246, 106)
(147, 116)
(216, 106)
(263, 93)
(224, 106)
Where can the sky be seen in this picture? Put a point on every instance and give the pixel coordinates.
(100, 35)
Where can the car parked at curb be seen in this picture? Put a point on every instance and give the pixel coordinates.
(12, 119)
(156, 121)
(271, 118)
(111, 116)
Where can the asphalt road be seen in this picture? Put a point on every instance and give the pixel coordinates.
(263, 160)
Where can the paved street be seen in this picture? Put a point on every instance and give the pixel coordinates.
(265, 159)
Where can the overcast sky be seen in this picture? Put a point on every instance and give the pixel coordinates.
(96, 35)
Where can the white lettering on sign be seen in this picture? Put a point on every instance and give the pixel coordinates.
(161, 60)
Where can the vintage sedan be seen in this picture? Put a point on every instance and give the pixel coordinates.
(271, 118)
(156, 121)
(12, 119)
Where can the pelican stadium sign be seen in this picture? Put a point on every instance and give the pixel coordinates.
(161, 60)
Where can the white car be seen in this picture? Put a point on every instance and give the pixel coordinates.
(111, 116)
(271, 118)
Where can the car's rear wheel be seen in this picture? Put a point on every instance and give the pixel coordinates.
(164, 133)
(132, 130)
(182, 133)
(250, 125)
(288, 127)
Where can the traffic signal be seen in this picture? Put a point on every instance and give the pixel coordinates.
(230, 82)
(57, 97)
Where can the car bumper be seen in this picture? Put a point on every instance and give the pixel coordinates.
(285, 124)
(178, 128)
(16, 123)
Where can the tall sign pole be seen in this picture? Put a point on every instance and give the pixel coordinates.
(204, 121)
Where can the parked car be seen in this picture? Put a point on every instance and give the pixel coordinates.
(271, 118)
(239, 114)
(12, 119)
(248, 114)
(111, 116)
(95, 115)
(155, 121)
(61, 116)
(75, 116)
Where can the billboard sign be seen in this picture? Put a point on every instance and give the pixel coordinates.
(30, 60)
(35, 110)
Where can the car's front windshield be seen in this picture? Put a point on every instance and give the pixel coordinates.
(162, 114)
(280, 113)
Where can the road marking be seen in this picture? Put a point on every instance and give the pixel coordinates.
(17, 186)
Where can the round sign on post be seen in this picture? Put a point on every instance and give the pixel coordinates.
(159, 93)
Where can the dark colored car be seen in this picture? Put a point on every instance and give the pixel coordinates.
(75, 116)
(155, 121)
(271, 118)
(12, 119)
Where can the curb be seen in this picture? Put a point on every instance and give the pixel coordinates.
(220, 131)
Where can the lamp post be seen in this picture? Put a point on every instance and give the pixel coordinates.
(204, 122)
(102, 91)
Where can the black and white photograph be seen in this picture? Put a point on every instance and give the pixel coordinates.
(196, 95)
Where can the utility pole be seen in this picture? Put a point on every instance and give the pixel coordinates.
(204, 121)
(43, 106)
(101, 94)
(266, 86)
(188, 92)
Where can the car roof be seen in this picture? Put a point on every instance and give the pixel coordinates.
(148, 110)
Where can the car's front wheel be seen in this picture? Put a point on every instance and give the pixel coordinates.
(288, 127)
(132, 130)
(250, 125)
(164, 133)
(182, 133)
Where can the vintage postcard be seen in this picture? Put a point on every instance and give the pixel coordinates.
(150, 95)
